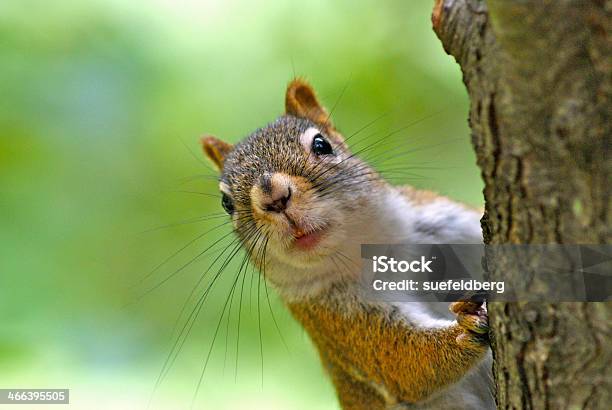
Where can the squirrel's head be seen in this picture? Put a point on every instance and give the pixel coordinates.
(292, 186)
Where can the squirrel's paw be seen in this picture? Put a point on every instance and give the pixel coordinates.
(472, 317)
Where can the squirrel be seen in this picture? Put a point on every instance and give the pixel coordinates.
(294, 186)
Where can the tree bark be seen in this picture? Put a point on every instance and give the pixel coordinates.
(538, 73)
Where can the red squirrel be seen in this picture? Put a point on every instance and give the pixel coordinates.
(311, 202)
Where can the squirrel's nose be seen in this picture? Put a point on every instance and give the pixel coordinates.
(280, 204)
(277, 193)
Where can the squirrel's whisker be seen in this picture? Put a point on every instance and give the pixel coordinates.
(162, 263)
(188, 324)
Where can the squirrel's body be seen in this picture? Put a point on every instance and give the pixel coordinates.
(302, 205)
(357, 338)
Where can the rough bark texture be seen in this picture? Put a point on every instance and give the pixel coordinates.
(538, 74)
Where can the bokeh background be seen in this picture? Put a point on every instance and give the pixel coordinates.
(101, 180)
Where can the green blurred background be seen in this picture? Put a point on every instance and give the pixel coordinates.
(102, 103)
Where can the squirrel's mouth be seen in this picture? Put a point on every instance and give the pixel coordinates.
(307, 241)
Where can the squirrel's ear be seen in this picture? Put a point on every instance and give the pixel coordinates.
(216, 150)
(301, 101)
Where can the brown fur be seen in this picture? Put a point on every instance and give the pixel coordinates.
(301, 101)
(376, 360)
(216, 150)
(417, 196)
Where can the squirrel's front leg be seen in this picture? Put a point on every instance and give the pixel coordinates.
(436, 358)
(403, 364)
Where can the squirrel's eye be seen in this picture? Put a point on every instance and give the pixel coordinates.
(227, 204)
(320, 146)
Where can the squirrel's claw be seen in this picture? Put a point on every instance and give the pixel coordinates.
(474, 323)
(473, 318)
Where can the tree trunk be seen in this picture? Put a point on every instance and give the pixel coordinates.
(538, 74)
